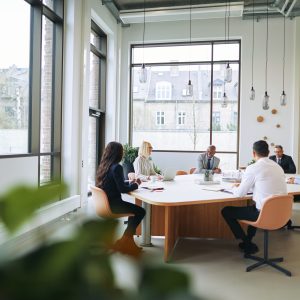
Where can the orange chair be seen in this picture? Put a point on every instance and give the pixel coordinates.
(275, 212)
(180, 172)
(192, 170)
(102, 205)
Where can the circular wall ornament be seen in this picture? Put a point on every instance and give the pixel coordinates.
(274, 111)
(272, 144)
(260, 119)
(278, 125)
(265, 138)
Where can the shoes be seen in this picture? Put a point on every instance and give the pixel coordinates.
(126, 245)
(248, 248)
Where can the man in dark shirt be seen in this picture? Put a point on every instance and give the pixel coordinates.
(285, 161)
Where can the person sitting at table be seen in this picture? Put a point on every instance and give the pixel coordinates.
(208, 161)
(143, 165)
(110, 178)
(285, 161)
(264, 178)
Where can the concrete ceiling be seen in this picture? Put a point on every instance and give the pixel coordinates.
(123, 10)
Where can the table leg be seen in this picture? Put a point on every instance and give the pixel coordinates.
(146, 226)
(171, 231)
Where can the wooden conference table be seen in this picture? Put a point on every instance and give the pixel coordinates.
(187, 209)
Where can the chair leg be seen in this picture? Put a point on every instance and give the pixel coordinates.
(290, 226)
(266, 260)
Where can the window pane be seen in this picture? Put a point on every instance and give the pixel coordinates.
(45, 169)
(226, 52)
(225, 121)
(47, 85)
(172, 54)
(94, 89)
(92, 150)
(55, 5)
(14, 76)
(227, 161)
(155, 109)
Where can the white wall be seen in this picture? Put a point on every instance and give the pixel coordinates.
(250, 129)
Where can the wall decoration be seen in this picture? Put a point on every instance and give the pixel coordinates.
(278, 125)
(260, 119)
(272, 144)
(274, 111)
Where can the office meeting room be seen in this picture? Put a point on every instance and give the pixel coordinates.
(149, 149)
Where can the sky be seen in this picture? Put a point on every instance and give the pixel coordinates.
(14, 33)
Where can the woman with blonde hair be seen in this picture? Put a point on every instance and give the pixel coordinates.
(143, 166)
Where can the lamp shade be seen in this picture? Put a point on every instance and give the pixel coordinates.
(189, 88)
(266, 101)
(252, 94)
(283, 99)
(143, 74)
(228, 73)
(224, 100)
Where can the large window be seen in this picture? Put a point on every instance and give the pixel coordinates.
(98, 46)
(31, 82)
(205, 120)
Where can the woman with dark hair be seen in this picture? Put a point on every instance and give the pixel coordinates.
(110, 178)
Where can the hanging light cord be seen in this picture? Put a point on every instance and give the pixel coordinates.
(283, 52)
(190, 36)
(144, 31)
(252, 39)
(267, 43)
(228, 19)
(225, 19)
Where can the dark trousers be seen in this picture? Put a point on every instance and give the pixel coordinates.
(133, 222)
(232, 214)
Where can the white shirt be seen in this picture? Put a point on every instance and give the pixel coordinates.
(265, 178)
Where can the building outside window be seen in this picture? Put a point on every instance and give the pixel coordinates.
(160, 118)
(208, 122)
(163, 90)
(30, 107)
(181, 118)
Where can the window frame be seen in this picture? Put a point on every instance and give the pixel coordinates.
(176, 63)
(38, 10)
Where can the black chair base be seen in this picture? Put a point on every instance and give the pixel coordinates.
(266, 260)
(269, 262)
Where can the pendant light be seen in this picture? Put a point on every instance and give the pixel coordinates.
(283, 97)
(228, 70)
(224, 100)
(143, 70)
(266, 97)
(189, 86)
(252, 91)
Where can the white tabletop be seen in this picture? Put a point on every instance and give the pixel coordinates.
(184, 191)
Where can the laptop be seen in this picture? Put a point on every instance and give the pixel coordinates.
(169, 175)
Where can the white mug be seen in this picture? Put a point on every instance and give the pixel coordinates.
(152, 178)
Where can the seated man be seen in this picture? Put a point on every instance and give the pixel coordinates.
(285, 161)
(207, 161)
(264, 178)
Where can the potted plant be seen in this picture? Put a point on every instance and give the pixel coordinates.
(130, 154)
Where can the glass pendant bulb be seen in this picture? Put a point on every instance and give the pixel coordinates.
(228, 73)
(283, 99)
(189, 88)
(266, 101)
(252, 93)
(143, 74)
(224, 100)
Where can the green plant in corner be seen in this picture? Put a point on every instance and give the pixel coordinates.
(251, 162)
(157, 169)
(130, 153)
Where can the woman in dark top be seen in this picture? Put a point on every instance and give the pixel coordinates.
(110, 178)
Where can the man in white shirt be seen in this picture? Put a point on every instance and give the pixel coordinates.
(265, 178)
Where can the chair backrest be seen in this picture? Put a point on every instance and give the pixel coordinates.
(275, 212)
(181, 172)
(192, 170)
(102, 206)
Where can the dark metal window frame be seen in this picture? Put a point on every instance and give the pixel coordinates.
(38, 10)
(209, 62)
(99, 112)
